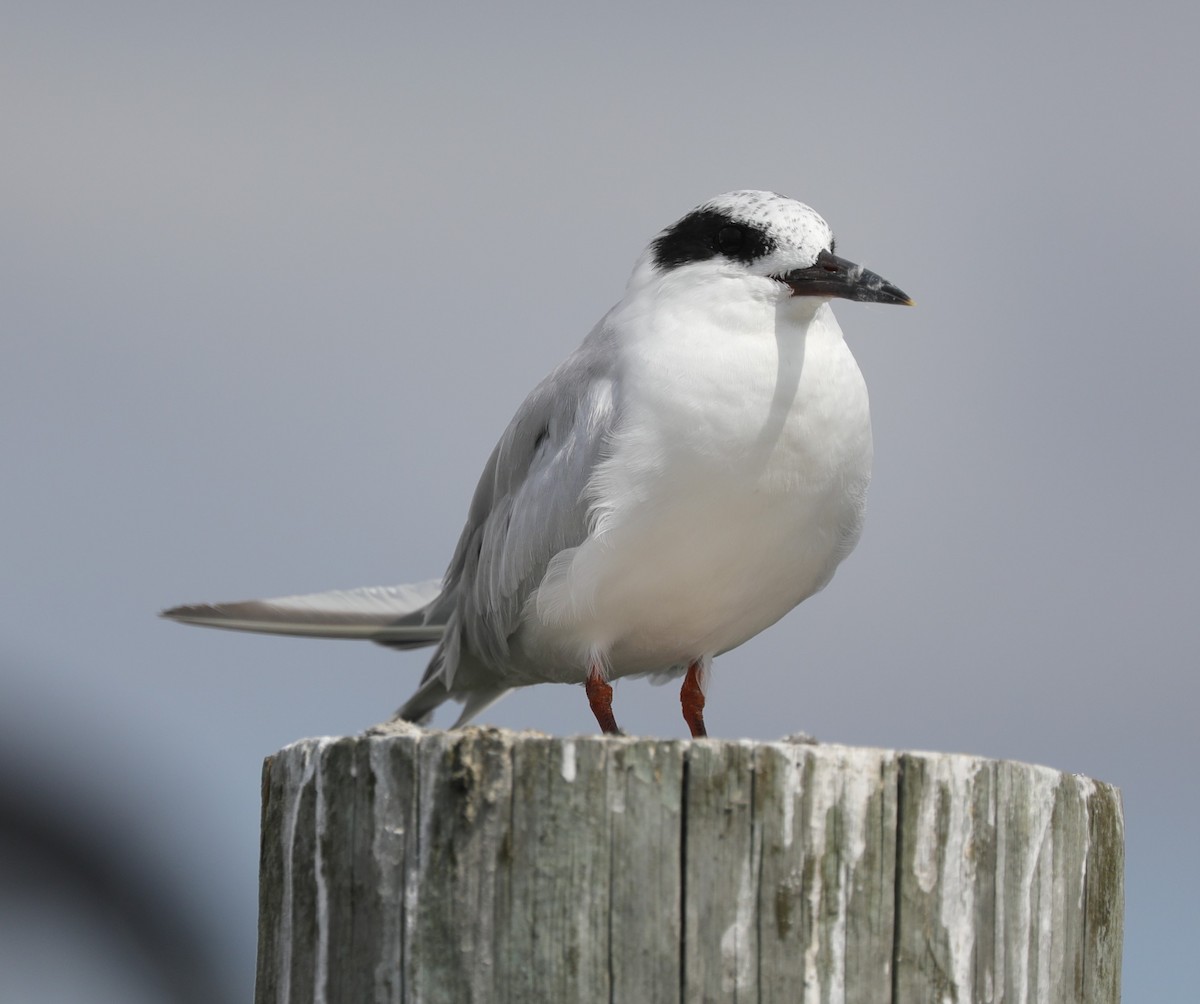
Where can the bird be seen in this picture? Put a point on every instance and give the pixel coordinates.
(695, 469)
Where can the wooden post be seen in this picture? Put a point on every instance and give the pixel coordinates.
(422, 867)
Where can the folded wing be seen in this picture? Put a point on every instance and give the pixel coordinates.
(404, 616)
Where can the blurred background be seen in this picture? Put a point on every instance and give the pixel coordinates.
(275, 277)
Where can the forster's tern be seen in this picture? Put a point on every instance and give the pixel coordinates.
(695, 469)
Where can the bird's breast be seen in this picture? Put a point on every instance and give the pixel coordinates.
(734, 485)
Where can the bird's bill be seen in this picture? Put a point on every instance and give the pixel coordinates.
(834, 276)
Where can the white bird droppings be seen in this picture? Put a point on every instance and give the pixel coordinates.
(568, 761)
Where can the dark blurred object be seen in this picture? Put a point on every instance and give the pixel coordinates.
(75, 913)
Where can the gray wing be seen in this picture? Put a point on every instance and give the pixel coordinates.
(529, 505)
(397, 616)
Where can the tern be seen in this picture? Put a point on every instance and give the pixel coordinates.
(693, 471)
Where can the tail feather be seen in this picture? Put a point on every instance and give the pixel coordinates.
(397, 616)
(432, 694)
(476, 701)
(405, 616)
(429, 696)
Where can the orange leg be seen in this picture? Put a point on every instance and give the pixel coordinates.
(691, 696)
(599, 693)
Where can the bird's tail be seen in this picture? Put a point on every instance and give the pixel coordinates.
(397, 616)
(432, 694)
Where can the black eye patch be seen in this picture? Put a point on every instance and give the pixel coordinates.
(707, 233)
(729, 239)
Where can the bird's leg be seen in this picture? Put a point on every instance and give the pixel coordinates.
(599, 693)
(691, 696)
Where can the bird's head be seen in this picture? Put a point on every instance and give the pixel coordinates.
(781, 246)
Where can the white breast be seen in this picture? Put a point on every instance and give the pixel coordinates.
(735, 487)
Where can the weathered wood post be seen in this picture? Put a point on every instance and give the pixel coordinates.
(489, 866)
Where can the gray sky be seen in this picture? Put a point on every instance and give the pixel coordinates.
(276, 277)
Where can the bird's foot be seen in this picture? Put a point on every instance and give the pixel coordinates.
(599, 693)
(691, 697)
